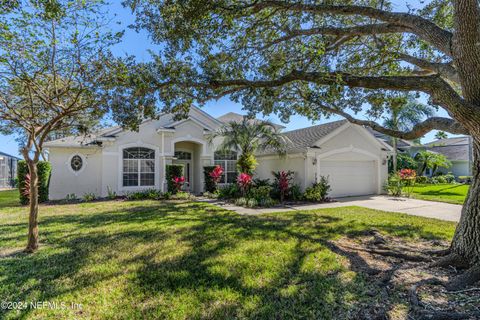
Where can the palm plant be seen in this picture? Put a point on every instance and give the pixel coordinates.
(247, 137)
(440, 135)
(403, 112)
(431, 160)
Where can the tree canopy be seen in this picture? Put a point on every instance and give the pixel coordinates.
(309, 58)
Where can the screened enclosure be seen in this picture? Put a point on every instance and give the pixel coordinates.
(8, 170)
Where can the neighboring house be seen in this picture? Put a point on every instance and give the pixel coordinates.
(458, 150)
(124, 161)
(8, 170)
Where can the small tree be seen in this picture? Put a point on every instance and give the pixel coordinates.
(431, 160)
(55, 76)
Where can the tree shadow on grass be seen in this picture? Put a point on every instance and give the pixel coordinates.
(224, 264)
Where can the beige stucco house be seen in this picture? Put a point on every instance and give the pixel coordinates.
(124, 161)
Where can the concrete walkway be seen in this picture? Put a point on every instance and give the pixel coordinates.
(429, 209)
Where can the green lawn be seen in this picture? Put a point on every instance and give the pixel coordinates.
(150, 259)
(451, 193)
(8, 198)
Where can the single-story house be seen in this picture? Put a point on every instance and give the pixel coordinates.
(456, 149)
(8, 170)
(123, 161)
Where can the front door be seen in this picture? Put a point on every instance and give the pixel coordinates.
(185, 158)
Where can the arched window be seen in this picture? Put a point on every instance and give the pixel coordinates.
(138, 167)
(228, 161)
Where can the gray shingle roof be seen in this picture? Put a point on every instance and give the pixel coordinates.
(401, 144)
(455, 149)
(301, 139)
(306, 137)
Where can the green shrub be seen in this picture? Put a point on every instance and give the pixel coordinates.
(242, 202)
(394, 185)
(422, 179)
(112, 195)
(44, 169)
(211, 195)
(439, 180)
(318, 191)
(89, 196)
(182, 195)
(450, 177)
(229, 191)
(172, 171)
(151, 194)
(465, 179)
(261, 182)
(259, 193)
(295, 193)
(210, 185)
(269, 202)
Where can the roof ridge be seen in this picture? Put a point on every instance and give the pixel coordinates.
(316, 126)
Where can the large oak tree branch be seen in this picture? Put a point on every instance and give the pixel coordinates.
(440, 91)
(419, 130)
(425, 29)
(446, 70)
(381, 28)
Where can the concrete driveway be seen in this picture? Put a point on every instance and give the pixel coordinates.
(429, 209)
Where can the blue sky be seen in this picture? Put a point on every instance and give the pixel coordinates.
(138, 45)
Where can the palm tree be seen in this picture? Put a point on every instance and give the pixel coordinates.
(431, 160)
(441, 135)
(403, 112)
(247, 137)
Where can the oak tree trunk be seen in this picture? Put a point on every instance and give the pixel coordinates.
(32, 244)
(466, 241)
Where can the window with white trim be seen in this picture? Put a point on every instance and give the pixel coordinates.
(228, 161)
(138, 167)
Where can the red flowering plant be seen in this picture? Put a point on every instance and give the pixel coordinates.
(244, 181)
(178, 183)
(402, 182)
(282, 180)
(216, 174)
(408, 178)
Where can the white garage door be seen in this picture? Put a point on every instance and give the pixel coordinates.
(350, 178)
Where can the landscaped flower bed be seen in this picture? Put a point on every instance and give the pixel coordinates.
(251, 192)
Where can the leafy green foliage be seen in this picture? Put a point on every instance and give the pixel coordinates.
(247, 163)
(89, 196)
(405, 161)
(229, 191)
(210, 185)
(318, 191)
(151, 194)
(173, 171)
(43, 169)
(247, 137)
(431, 160)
